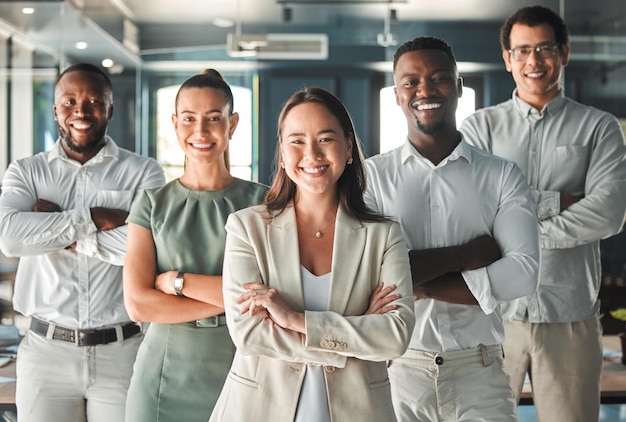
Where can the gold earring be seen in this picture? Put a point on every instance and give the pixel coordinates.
(282, 164)
(349, 160)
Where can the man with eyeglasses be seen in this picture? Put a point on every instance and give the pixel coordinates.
(573, 158)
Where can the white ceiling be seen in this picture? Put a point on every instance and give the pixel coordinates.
(169, 25)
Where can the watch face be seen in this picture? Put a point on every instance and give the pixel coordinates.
(178, 284)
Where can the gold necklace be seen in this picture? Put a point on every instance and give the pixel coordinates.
(319, 233)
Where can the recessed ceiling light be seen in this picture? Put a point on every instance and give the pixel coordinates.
(107, 63)
(28, 10)
(81, 45)
(223, 22)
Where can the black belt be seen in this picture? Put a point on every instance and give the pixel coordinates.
(84, 337)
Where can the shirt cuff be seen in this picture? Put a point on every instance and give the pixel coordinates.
(548, 203)
(86, 233)
(478, 283)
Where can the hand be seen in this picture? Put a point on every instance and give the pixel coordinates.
(46, 206)
(480, 252)
(420, 291)
(43, 205)
(260, 299)
(164, 282)
(566, 200)
(381, 298)
(108, 218)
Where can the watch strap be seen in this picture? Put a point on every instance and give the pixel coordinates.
(178, 284)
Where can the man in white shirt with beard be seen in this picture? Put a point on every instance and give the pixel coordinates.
(63, 213)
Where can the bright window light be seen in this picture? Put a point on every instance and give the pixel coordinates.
(393, 129)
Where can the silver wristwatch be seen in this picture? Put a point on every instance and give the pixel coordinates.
(178, 284)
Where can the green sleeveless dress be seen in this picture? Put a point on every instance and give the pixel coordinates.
(180, 368)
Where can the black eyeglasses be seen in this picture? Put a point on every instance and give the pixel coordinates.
(545, 51)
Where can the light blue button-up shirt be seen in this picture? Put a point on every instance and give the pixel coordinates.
(566, 147)
(468, 194)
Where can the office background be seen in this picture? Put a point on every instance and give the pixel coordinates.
(270, 48)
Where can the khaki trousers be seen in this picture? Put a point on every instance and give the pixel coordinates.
(564, 361)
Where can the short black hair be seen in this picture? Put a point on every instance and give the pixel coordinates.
(88, 67)
(533, 16)
(424, 43)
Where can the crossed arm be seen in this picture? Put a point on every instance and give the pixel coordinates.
(436, 272)
(151, 298)
(104, 218)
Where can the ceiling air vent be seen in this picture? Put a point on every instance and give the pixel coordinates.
(279, 46)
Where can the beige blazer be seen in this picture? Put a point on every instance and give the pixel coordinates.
(268, 370)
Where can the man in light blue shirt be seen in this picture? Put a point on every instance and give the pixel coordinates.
(470, 225)
(573, 158)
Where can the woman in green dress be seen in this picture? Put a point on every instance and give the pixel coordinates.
(173, 267)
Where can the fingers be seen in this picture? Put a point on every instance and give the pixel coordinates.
(387, 289)
(249, 286)
(386, 309)
(254, 299)
(252, 289)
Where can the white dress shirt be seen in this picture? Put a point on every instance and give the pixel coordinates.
(566, 147)
(468, 194)
(81, 287)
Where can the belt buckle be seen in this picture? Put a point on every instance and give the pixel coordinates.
(79, 335)
(210, 322)
(74, 337)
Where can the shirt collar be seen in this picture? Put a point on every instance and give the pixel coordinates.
(552, 108)
(109, 150)
(462, 150)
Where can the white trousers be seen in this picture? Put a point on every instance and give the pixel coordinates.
(58, 381)
(466, 385)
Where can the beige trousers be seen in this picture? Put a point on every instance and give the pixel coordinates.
(466, 385)
(564, 361)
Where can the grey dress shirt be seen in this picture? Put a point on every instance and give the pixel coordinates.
(566, 147)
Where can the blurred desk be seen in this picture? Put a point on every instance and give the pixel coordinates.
(7, 389)
(613, 384)
(8, 266)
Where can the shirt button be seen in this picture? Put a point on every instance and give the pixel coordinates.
(329, 369)
(439, 360)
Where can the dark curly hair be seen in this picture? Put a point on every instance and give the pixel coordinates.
(90, 68)
(533, 16)
(424, 43)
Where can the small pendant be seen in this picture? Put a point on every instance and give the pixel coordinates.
(319, 234)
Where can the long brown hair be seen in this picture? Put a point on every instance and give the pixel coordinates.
(351, 183)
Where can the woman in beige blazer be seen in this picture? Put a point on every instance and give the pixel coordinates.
(317, 288)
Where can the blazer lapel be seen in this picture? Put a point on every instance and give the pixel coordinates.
(284, 257)
(350, 238)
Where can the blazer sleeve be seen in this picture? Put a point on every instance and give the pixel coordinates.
(376, 337)
(245, 261)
